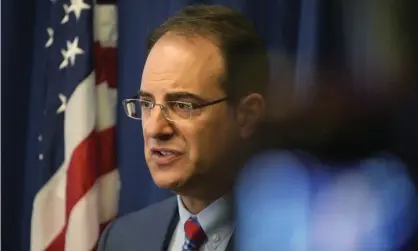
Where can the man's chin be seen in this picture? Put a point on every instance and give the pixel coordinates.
(166, 185)
(167, 182)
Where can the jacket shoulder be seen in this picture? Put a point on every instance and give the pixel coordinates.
(134, 230)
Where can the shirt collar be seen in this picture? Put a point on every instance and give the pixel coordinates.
(216, 219)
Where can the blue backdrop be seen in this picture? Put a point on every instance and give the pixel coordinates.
(16, 50)
(305, 33)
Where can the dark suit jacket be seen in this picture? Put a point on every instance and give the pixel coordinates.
(149, 229)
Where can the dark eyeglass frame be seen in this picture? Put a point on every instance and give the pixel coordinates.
(164, 107)
(208, 103)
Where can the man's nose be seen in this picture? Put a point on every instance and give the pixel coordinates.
(157, 126)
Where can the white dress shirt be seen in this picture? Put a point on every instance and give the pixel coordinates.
(216, 221)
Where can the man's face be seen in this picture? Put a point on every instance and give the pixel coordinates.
(184, 152)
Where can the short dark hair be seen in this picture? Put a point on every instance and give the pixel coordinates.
(243, 50)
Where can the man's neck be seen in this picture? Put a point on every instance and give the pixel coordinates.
(195, 205)
(196, 198)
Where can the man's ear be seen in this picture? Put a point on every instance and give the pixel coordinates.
(250, 111)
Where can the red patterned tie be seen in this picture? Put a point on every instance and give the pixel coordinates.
(195, 236)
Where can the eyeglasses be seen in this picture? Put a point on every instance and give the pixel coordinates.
(140, 109)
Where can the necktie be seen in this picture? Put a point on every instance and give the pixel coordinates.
(195, 236)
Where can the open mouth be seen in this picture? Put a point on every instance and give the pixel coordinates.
(165, 157)
(163, 153)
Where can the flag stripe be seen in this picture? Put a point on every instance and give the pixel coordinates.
(84, 214)
(50, 201)
(48, 205)
(80, 115)
(106, 102)
(81, 175)
(105, 64)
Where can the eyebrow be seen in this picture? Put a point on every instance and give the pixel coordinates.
(184, 95)
(145, 94)
(174, 96)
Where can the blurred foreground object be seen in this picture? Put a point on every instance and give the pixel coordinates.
(336, 170)
(291, 201)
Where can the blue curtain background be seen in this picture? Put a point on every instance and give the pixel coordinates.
(17, 18)
(306, 33)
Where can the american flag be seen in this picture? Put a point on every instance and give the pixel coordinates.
(79, 187)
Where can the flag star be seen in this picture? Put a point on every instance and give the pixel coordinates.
(66, 16)
(50, 41)
(63, 103)
(77, 6)
(72, 51)
(64, 62)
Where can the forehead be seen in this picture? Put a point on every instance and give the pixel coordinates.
(187, 64)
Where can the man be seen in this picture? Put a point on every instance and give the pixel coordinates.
(200, 102)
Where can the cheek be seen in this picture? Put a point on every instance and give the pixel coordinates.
(210, 140)
(196, 137)
(206, 136)
(192, 136)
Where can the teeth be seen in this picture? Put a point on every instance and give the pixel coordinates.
(165, 153)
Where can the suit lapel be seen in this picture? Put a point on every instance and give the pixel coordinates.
(158, 224)
(169, 225)
(230, 246)
(170, 230)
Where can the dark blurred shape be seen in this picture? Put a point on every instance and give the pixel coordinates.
(336, 168)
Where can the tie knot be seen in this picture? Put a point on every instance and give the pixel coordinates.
(194, 232)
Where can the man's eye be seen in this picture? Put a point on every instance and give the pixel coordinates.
(146, 104)
(182, 106)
